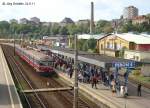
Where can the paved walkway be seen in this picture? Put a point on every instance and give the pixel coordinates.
(104, 95)
(8, 94)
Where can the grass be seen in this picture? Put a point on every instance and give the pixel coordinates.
(142, 78)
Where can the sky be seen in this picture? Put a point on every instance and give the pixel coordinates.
(56, 10)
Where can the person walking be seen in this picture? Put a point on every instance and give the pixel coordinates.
(139, 89)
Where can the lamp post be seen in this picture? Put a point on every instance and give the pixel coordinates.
(75, 104)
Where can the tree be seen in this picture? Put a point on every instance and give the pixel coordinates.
(63, 31)
(83, 28)
(85, 46)
(72, 29)
(92, 43)
(108, 29)
(4, 28)
(127, 27)
(55, 29)
(103, 26)
(148, 15)
(80, 43)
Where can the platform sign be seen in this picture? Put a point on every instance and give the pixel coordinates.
(124, 64)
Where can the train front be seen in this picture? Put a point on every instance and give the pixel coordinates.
(46, 65)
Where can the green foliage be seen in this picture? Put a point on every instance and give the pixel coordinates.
(138, 28)
(103, 26)
(63, 31)
(72, 29)
(7, 30)
(136, 72)
(85, 46)
(55, 29)
(92, 43)
(80, 43)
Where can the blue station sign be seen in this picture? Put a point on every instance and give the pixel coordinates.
(124, 64)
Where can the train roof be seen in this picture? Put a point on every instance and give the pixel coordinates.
(37, 55)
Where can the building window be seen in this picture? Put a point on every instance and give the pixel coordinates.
(137, 58)
(125, 55)
(115, 46)
(102, 47)
(108, 45)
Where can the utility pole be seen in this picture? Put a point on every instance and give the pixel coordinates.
(92, 19)
(75, 102)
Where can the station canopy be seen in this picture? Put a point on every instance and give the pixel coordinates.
(97, 59)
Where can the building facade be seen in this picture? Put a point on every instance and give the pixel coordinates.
(130, 12)
(141, 56)
(84, 22)
(24, 21)
(136, 55)
(141, 19)
(115, 44)
(35, 20)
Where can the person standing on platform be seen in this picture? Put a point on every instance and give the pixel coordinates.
(139, 89)
(113, 84)
(71, 72)
(94, 81)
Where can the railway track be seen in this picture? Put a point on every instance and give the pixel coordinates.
(22, 71)
(24, 83)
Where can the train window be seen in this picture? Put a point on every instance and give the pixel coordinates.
(43, 63)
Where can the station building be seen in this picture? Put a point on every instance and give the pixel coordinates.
(113, 44)
(128, 46)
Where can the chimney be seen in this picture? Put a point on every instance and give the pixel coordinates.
(92, 18)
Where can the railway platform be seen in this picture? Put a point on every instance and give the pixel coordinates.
(104, 98)
(9, 97)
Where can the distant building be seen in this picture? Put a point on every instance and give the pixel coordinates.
(46, 23)
(130, 12)
(13, 21)
(57, 40)
(24, 21)
(85, 21)
(88, 36)
(140, 19)
(116, 22)
(35, 19)
(32, 23)
(112, 44)
(66, 21)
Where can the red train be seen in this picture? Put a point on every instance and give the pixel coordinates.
(39, 61)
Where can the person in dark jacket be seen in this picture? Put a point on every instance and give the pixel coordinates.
(94, 81)
(139, 89)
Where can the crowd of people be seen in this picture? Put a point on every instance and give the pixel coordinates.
(88, 73)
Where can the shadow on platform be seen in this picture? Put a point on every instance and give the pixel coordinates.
(5, 98)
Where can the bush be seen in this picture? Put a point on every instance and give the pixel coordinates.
(136, 72)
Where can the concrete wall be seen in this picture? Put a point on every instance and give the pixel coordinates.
(107, 52)
(136, 55)
(146, 70)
